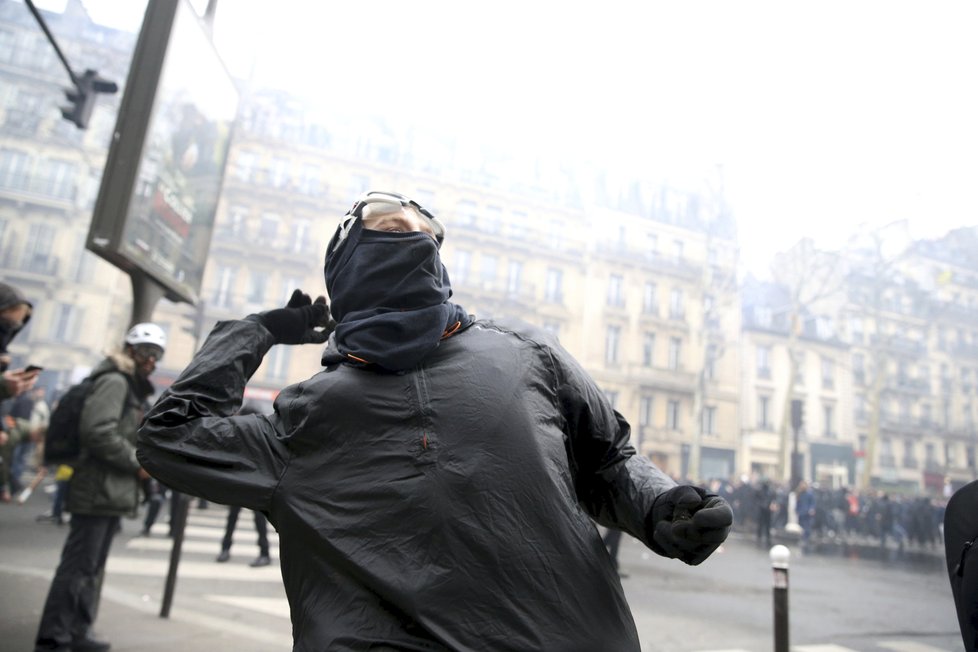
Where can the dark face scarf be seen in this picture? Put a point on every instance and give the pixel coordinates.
(8, 330)
(389, 296)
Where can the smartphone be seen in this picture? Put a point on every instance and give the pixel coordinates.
(33, 367)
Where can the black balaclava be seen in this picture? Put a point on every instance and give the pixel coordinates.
(389, 296)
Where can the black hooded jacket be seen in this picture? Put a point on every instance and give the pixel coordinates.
(447, 507)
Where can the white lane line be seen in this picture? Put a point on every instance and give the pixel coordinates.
(271, 606)
(908, 646)
(240, 549)
(194, 569)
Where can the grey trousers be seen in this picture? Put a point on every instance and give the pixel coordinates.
(72, 602)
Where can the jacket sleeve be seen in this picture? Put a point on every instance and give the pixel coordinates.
(98, 424)
(615, 486)
(189, 441)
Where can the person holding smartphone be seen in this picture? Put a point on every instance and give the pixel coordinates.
(15, 312)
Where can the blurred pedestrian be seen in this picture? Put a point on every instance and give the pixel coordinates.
(15, 312)
(103, 487)
(805, 511)
(763, 505)
(156, 494)
(434, 486)
(264, 557)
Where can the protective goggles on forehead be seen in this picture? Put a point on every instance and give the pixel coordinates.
(377, 203)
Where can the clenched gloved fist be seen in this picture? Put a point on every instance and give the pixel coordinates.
(688, 523)
(301, 321)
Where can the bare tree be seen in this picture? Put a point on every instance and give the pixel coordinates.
(810, 276)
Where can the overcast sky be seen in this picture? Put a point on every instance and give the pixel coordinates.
(821, 115)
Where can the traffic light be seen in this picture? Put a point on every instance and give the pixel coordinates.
(82, 97)
(797, 413)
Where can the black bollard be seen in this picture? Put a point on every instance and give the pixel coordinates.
(779, 562)
(179, 523)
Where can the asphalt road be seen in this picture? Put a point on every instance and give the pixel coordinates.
(837, 604)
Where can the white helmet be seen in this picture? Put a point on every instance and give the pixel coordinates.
(146, 334)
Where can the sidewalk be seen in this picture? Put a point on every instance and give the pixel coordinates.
(130, 622)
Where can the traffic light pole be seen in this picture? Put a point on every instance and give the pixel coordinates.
(82, 96)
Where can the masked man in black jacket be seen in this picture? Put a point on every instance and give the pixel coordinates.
(434, 486)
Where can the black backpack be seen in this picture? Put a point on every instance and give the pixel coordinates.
(62, 441)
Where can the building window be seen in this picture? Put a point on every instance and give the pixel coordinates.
(675, 353)
(514, 279)
(887, 459)
(58, 179)
(709, 420)
(859, 367)
(860, 411)
(652, 244)
(489, 265)
(650, 301)
(244, 166)
(516, 228)
(616, 296)
(554, 291)
(648, 349)
(672, 415)
(493, 220)
(764, 412)
(309, 183)
(828, 416)
(612, 339)
(678, 249)
(763, 362)
(224, 287)
(236, 221)
(828, 373)
(268, 228)
(677, 307)
(710, 364)
(288, 285)
(278, 362)
(612, 398)
(300, 236)
(466, 213)
(645, 405)
(258, 281)
(278, 175)
(909, 454)
(463, 262)
(37, 250)
(67, 323)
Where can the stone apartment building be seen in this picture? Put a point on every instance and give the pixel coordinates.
(637, 281)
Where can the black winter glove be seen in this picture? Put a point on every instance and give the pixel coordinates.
(301, 321)
(688, 523)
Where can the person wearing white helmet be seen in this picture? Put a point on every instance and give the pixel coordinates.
(103, 488)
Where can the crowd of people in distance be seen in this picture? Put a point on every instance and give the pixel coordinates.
(835, 515)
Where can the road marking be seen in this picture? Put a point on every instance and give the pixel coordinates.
(193, 569)
(271, 606)
(193, 546)
(205, 532)
(908, 646)
(821, 648)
